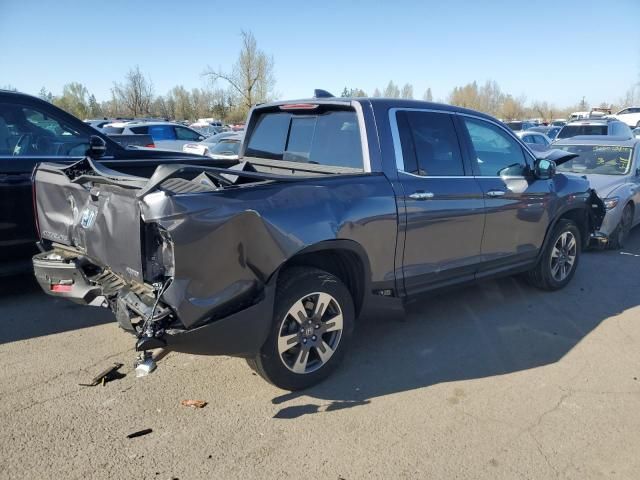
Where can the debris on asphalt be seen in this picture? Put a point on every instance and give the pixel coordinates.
(144, 364)
(140, 433)
(106, 375)
(193, 403)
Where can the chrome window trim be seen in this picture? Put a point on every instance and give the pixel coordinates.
(505, 177)
(397, 146)
(507, 130)
(366, 158)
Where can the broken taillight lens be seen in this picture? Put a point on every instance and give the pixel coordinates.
(59, 288)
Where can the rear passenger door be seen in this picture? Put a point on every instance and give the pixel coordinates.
(517, 204)
(442, 210)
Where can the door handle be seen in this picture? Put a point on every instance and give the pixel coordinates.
(496, 193)
(421, 195)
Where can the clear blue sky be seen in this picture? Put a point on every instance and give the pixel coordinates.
(554, 50)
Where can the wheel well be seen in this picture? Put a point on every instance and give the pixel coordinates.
(580, 218)
(343, 263)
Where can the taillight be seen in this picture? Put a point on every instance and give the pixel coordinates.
(299, 106)
(59, 288)
(150, 145)
(33, 200)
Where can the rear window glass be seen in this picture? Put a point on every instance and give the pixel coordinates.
(331, 138)
(575, 130)
(226, 147)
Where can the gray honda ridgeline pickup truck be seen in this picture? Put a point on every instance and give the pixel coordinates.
(336, 207)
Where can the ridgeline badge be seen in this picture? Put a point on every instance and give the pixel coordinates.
(88, 218)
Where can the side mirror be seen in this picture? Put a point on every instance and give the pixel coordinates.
(544, 169)
(97, 147)
(200, 138)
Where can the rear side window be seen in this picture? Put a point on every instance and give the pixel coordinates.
(574, 130)
(429, 144)
(186, 134)
(331, 138)
(112, 130)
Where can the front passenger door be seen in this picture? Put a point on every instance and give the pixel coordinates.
(517, 205)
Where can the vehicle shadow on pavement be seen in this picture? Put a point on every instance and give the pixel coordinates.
(27, 312)
(487, 329)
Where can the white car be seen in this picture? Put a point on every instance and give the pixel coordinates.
(630, 116)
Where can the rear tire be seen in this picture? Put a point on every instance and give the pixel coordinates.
(619, 236)
(559, 260)
(311, 328)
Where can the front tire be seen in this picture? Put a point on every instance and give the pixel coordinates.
(559, 260)
(619, 236)
(311, 328)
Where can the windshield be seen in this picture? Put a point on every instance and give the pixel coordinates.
(575, 130)
(600, 159)
(226, 147)
(328, 138)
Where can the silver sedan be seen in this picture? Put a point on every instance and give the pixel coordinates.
(612, 166)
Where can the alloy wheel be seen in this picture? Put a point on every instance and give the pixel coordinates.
(563, 256)
(310, 332)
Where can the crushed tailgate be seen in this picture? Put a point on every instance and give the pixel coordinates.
(100, 219)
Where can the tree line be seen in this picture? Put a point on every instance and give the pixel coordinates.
(251, 80)
(489, 98)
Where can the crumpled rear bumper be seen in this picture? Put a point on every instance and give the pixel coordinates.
(239, 334)
(64, 278)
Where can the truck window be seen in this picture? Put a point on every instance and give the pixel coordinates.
(27, 132)
(331, 138)
(496, 152)
(429, 144)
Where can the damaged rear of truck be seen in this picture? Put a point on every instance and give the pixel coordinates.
(190, 258)
(274, 257)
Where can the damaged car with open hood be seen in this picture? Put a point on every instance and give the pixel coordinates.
(336, 207)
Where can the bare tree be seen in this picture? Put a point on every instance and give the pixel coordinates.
(428, 96)
(391, 90)
(251, 78)
(407, 91)
(136, 94)
(376, 93)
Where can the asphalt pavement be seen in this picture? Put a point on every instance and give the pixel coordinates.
(496, 380)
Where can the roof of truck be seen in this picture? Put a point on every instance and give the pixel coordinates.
(378, 102)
